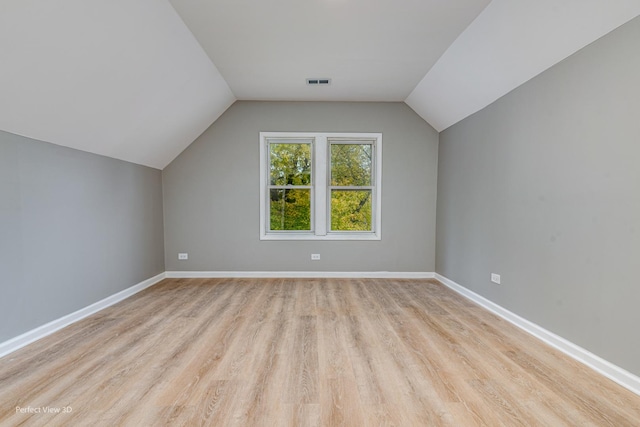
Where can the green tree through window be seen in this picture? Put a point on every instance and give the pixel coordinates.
(351, 186)
(290, 186)
(320, 186)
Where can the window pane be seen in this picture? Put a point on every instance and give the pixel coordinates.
(290, 209)
(351, 210)
(290, 164)
(351, 164)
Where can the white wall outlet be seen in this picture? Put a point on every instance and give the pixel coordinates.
(495, 278)
(315, 257)
(183, 256)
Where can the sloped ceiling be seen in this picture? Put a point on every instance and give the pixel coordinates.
(507, 45)
(129, 80)
(121, 78)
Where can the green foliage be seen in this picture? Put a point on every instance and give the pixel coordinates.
(290, 166)
(290, 209)
(351, 164)
(351, 210)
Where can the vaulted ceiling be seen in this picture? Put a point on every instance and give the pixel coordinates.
(139, 80)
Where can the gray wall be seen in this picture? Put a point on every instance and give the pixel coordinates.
(74, 228)
(211, 192)
(543, 187)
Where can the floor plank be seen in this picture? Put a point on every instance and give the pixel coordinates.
(302, 352)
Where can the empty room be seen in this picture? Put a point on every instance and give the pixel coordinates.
(319, 213)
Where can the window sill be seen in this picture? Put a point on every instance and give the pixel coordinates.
(331, 236)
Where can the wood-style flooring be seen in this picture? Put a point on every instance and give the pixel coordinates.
(302, 352)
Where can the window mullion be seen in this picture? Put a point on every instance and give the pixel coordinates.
(320, 183)
(351, 187)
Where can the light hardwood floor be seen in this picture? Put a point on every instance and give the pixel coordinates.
(302, 352)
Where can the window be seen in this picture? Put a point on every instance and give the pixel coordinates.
(290, 185)
(320, 186)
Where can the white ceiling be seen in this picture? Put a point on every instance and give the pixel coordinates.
(121, 78)
(372, 50)
(128, 79)
(507, 45)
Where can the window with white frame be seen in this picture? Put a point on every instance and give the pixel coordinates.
(320, 186)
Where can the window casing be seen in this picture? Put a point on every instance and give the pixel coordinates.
(320, 186)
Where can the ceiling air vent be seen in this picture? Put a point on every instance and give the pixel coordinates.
(318, 82)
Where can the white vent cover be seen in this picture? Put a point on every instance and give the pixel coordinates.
(318, 82)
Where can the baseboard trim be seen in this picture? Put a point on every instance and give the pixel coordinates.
(47, 329)
(598, 364)
(301, 274)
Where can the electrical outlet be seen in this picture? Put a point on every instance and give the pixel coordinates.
(495, 278)
(315, 257)
(183, 256)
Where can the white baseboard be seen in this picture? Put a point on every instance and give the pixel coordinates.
(301, 274)
(604, 367)
(55, 325)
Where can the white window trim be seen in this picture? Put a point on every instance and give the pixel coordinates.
(320, 203)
